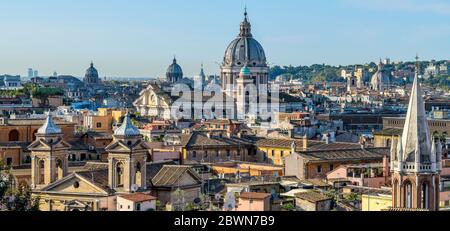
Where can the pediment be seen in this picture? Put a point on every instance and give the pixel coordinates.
(74, 183)
(118, 146)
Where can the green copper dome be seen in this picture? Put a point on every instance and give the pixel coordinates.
(245, 71)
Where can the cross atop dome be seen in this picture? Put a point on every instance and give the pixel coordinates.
(246, 27)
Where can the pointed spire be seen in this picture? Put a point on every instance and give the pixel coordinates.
(127, 129)
(399, 149)
(245, 14)
(49, 127)
(416, 134)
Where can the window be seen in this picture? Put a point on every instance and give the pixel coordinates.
(331, 167)
(99, 125)
(13, 135)
(194, 154)
(121, 206)
(138, 206)
(206, 154)
(273, 153)
(408, 195)
(282, 154)
(76, 184)
(319, 168)
(129, 207)
(228, 153)
(9, 161)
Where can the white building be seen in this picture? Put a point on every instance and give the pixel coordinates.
(136, 202)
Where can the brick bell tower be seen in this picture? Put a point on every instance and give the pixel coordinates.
(49, 153)
(127, 158)
(416, 159)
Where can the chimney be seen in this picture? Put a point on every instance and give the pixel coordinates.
(327, 139)
(305, 142)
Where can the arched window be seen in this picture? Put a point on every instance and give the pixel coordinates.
(138, 174)
(119, 175)
(13, 135)
(59, 169)
(34, 134)
(40, 175)
(424, 195)
(408, 195)
(396, 195)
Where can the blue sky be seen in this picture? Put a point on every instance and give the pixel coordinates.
(140, 37)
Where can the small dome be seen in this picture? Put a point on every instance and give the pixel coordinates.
(245, 71)
(174, 72)
(91, 72)
(49, 127)
(127, 129)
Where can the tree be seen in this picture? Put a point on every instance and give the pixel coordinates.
(11, 199)
(288, 207)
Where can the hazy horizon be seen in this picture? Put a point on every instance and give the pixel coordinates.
(139, 38)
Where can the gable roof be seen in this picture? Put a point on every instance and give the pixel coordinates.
(138, 197)
(312, 196)
(96, 182)
(169, 175)
(200, 139)
(345, 154)
(254, 195)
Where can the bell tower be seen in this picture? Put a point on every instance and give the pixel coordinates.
(416, 159)
(127, 157)
(49, 154)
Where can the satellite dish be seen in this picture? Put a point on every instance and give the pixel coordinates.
(134, 187)
(217, 196)
(230, 202)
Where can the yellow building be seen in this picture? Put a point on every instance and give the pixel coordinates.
(103, 120)
(233, 168)
(376, 202)
(386, 137)
(275, 151)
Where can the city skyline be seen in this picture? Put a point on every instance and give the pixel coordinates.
(141, 39)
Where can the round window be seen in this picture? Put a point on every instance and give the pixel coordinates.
(76, 184)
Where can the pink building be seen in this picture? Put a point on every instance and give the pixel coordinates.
(253, 201)
(372, 175)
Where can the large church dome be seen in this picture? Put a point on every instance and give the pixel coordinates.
(91, 72)
(245, 50)
(174, 72)
(91, 76)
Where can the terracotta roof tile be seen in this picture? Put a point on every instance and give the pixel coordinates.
(138, 197)
(254, 195)
(312, 196)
